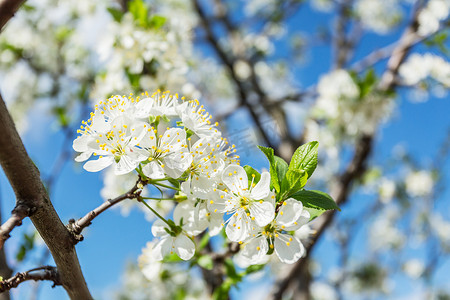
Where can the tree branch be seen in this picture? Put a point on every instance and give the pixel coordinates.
(7, 10)
(41, 273)
(229, 64)
(76, 227)
(24, 178)
(5, 270)
(19, 213)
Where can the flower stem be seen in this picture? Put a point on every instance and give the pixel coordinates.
(152, 198)
(154, 211)
(166, 186)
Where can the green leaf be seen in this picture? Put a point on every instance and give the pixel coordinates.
(231, 270)
(157, 22)
(206, 262)
(174, 182)
(316, 199)
(117, 14)
(293, 182)
(314, 213)
(139, 11)
(278, 168)
(305, 158)
(253, 269)
(133, 78)
(281, 167)
(252, 175)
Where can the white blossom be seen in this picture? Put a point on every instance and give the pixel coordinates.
(430, 17)
(178, 243)
(419, 184)
(245, 204)
(287, 247)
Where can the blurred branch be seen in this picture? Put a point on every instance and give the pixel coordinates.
(342, 44)
(229, 64)
(24, 178)
(41, 273)
(341, 189)
(214, 277)
(8, 8)
(76, 227)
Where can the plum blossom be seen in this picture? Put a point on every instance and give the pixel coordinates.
(194, 117)
(114, 144)
(175, 242)
(166, 154)
(247, 205)
(287, 247)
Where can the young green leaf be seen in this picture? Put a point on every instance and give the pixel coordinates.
(117, 14)
(205, 262)
(316, 199)
(139, 11)
(274, 183)
(305, 158)
(293, 182)
(278, 168)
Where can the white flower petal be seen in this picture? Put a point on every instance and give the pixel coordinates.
(81, 142)
(184, 247)
(99, 164)
(99, 123)
(262, 188)
(256, 250)
(238, 226)
(289, 212)
(158, 228)
(288, 248)
(235, 178)
(153, 170)
(125, 165)
(83, 156)
(162, 248)
(262, 212)
(216, 224)
(143, 108)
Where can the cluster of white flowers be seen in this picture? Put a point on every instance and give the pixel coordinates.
(347, 112)
(153, 279)
(379, 15)
(154, 55)
(430, 17)
(418, 67)
(163, 138)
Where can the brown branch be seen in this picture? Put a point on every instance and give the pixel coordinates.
(36, 274)
(5, 270)
(7, 10)
(24, 178)
(76, 227)
(20, 212)
(229, 64)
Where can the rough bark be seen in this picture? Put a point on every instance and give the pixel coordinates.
(24, 178)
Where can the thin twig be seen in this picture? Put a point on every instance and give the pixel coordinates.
(76, 227)
(20, 212)
(41, 273)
